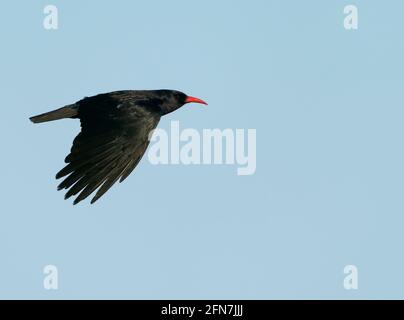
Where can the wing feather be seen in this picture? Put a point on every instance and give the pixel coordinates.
(107, 149)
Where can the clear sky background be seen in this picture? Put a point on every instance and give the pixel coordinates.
(327, 104)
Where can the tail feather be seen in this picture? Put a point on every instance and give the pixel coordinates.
(69, 111)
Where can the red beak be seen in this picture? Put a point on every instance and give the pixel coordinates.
(195, 100)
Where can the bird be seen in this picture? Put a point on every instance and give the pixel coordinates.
(115, 133)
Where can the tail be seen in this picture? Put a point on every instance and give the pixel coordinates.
(69, 111)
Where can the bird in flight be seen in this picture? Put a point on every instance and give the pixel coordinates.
(114, 135)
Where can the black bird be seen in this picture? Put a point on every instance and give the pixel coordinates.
(114, 135)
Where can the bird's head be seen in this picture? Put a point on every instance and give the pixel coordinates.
(173, 100)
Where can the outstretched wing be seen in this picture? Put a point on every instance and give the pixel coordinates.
(111, 143)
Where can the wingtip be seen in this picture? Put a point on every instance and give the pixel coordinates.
(64, 172)
(79, 199)
(67, 195)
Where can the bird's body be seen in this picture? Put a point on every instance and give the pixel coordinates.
(115, 129)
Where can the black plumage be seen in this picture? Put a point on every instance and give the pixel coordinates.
(115, 129)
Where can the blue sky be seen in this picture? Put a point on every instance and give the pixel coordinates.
(327, 105)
